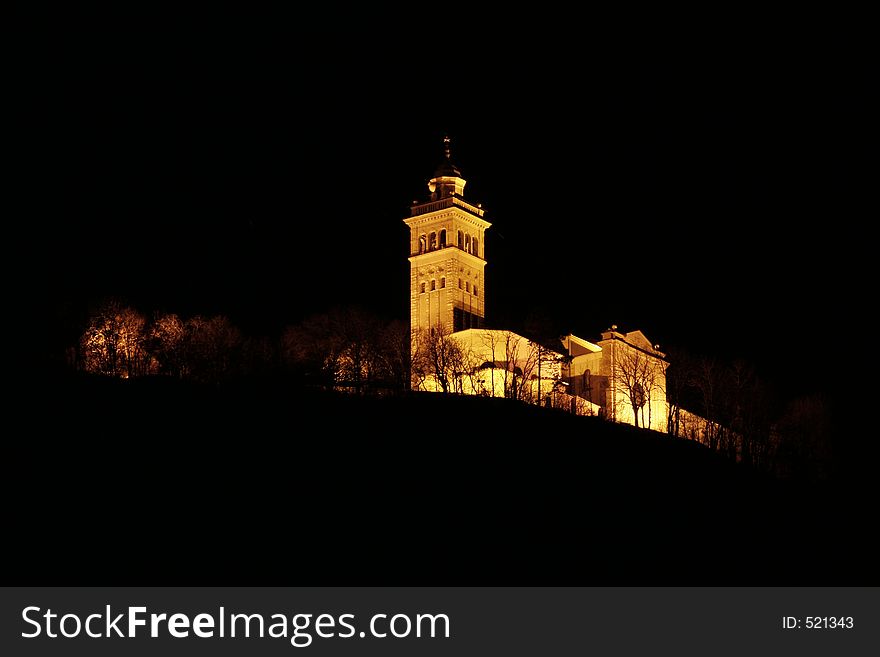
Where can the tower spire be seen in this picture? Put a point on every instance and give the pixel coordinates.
(447, 171)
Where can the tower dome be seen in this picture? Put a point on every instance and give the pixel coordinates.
(447, 180)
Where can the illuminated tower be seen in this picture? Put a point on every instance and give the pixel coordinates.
(447, 255)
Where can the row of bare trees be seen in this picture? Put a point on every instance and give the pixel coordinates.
(490, 363)
(350, 348)
(344, 347)
(737, 413)
(120, 341)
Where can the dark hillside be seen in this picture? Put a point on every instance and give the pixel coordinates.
(153, 481)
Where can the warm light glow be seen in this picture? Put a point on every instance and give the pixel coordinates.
(617, 373)
(493, 363)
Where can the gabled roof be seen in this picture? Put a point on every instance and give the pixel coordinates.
(584, 344)
(639, 339)
(635, 338)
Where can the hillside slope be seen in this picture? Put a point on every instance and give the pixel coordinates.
(267, 483)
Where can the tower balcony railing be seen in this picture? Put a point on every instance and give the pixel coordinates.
(441, 247)
(442, 204)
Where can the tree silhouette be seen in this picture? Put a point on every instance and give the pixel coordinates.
(635, 376)
(165, 340)
(439, 357)
(113, 342)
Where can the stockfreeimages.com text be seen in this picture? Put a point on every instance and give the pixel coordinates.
(300, 629)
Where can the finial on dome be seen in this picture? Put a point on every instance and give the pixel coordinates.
(448, 170)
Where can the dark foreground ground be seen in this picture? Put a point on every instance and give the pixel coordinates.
(156, 482)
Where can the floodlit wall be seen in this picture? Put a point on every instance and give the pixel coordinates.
(498, 363)
(605, 372)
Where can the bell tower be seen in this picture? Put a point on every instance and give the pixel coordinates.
(446, 255)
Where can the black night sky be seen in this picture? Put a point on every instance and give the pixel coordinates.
(711, 202)
(711, 194)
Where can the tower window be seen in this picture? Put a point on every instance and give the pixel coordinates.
(475, 243)
(443, 238)
(459, 284)
(467, 243)
(423, 244)
(432, 243)
(475, 290)
(443, 282)
(460, 240)
(433, 284)
(423, 288)
(467, 286)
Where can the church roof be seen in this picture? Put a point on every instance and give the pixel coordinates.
(589, 347)
(639, 339)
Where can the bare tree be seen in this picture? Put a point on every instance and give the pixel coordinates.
(395, 352)
(548, 366)
(357, 335)
(655, 375)
(635, 376)
(165, 339)
(492, 339)
(757, 424)
(418, 360)
(524, 355)
(113, 343)
(440, 357)
(313, 349)
(739, 409)
(707, 379)
(678, 374)
(474, 367)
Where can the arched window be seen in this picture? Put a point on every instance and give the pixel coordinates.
(423, 288)
(476, 245)
(475, 289)
(467, 286)
(460, 240)
(423, 244)
(443, 238)
(432, 242)
(443, 282)
(433, 284)
(467, 243)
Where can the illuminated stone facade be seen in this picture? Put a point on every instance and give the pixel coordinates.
(615, 372)
(447, 256)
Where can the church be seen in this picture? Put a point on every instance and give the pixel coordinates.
(621, 376)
